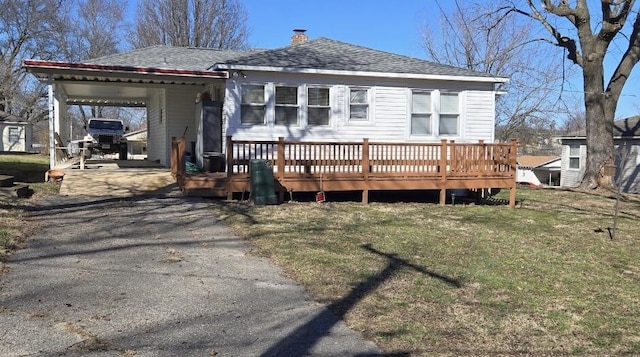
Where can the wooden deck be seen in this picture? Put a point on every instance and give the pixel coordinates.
(363, 166)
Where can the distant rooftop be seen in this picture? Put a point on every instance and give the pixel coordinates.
(625, 128)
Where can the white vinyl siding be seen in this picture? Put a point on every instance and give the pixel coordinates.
(389, 109)
(572, 177)
(478, 117)
(157, 140)
(628, 164)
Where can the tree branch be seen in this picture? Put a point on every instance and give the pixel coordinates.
(628, 61)
(560, 40)
(613, 19)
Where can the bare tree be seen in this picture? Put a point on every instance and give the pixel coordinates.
(472, 36)
(585, 31)
(28, 29)
(191, 23)
(97, 30)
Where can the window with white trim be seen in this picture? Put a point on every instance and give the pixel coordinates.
(252, 105)
(358, 104)
(318, 108)
(421, 113)
(574, 156)
(286, 106)
(14, 135)
(449, 114)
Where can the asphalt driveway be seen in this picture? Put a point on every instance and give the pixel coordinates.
(154, 276)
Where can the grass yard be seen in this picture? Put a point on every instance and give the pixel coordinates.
(421, 279)
(29, 168)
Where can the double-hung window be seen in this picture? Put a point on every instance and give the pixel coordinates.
(421, 113)
(574, 156)
(286, 106)
(318, 108)
(449, 114)
(14, 135)
(253, 105)
(358, 104)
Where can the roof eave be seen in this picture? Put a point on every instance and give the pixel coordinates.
(617, 137)
(361, 73)
(51, 67)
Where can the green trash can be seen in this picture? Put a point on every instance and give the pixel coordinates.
(262, 188)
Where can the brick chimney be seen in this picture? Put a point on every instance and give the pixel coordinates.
(299, 37)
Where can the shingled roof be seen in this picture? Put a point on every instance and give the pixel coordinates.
(321, 54)
(327, 54)
(625, 128)
(179, 58)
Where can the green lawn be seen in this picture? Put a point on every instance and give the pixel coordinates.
(29, 168)
(542, 279)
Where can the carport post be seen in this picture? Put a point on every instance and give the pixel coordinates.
(52, 141)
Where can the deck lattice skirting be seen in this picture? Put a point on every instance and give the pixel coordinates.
(356, 166)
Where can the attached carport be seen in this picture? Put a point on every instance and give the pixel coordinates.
(168, 94)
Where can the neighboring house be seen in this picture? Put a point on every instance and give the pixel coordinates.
(626, 136)
(15, 134)
(313, 90)
(538, 170)
(136, 144)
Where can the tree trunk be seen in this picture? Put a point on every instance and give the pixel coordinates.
(599, 117)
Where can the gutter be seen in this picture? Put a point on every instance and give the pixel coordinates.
(38, 66)
(222, 66)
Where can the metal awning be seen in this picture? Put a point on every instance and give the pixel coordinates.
(107, 85)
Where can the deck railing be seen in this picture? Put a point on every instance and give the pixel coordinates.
(309, 166)
(375, 159)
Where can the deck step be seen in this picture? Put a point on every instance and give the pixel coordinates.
(18, 190)
(6, 181)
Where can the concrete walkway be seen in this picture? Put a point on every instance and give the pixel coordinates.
(154, 276)
(117, 178)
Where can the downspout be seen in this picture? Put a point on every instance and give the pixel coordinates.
(52, 140)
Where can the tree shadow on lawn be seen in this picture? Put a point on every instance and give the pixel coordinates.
(300, 341)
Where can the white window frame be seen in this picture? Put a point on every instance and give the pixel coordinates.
(573, 156)
(297, 105)
(430, 113)
(442, 114)
(368, 105)
(309, 106)
(13, 135)
(263, 104)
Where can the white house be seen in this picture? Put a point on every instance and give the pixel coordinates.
(136, 144)
(626, 136)
(312, 90)
(15, 134)
(538, 170)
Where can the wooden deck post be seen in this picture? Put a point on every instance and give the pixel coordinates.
(443, 172)
(229, 153)
(512, 169)
(280, 165)
(365, 169)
